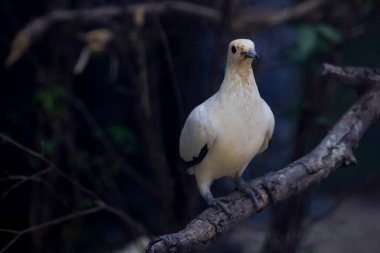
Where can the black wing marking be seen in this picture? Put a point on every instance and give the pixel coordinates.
(198, 159)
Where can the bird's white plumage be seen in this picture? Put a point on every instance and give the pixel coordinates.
(235, 123)
(196, 133)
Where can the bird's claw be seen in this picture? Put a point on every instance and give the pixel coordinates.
(252, 192)
(219, 204)
(169, 244)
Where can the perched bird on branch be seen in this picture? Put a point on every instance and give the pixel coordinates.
(223, 134)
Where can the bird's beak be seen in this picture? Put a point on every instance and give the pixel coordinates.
(252, 54)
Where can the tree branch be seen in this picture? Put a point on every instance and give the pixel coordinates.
(334, 151)
(243, 19)
(353, 76)
(272, 18)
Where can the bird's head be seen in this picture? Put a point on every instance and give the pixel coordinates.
(241, 50)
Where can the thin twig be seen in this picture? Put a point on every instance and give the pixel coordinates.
(101, 135)
(25, 149)
(149, 120)
(46, 224)
(169, 59)
(50, 164)
(23, 179)
(10, 231)
(69, 179)
(221, 34)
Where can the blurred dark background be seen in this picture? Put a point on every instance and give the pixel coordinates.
(97, 92)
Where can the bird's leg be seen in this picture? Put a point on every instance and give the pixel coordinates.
(211, 201)
(247, 189)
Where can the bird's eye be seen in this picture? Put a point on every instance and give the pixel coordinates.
(233, 49)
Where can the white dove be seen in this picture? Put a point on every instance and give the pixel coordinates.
(223, 134)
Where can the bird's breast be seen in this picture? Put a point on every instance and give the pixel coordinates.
(239, 137)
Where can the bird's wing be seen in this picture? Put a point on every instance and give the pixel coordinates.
(197, 137)
(270, 118)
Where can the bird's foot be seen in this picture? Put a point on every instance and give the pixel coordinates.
(211, 201)
(221, 205)
(167, 240)
(252, 192)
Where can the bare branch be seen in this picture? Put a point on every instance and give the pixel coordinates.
(335, 151)
(25, 149)
(171, 65)
(23, 179)
(62, 219)
(35, 29)
(272, 18)
(242, 20)
(353, 76)
(121, 214)
(50, 164)
(10, 231)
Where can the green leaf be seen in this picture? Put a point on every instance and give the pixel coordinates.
(48, 146)
(48, 97)
(313, 39)
(306, 44)
(122, 136)
(87, 203)
(330, 33)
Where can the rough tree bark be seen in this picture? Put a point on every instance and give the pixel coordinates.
(335, 151)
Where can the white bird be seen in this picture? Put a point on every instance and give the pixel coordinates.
(223, 134)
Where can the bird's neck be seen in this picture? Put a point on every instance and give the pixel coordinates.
(238, 76)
